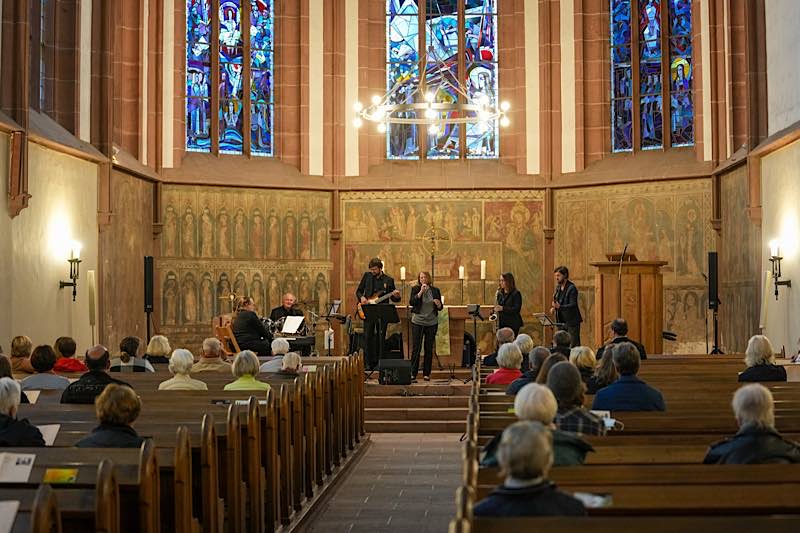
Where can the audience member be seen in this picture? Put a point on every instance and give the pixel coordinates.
(536, 403)
(561, 343)
(536, 359)
(158, 350)
(604, 373)
(43, 359)
(279, 348)
(180, 364)
(525, 344)
(244, 369)
(116, 409)
(128, 361)
(628, 392)
(15, 432)
(504, 336)
(248, 330)
(5, 372)
(525, 455)
(21, 347)
(565, 381)
(93, 382)
(212, 358)
(551, 361)
(292, 364)
(759, 357)
(584, 360)
(619, 333)
(66, 361)
(509, 358)
(757, 440)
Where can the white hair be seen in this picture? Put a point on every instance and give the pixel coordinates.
(536, 403)
(759, 351)
(212, 346)
(525, 343)
(291, 361)
(9, 395)
(181, 362)
(280, 346)
(509, 356)
(752, 404)
(525, 450)
(245, 364)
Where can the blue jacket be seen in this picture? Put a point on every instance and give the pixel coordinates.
(628, 393)
(543, 499)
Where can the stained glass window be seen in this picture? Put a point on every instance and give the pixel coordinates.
(459, 44)
(240, 25)
(649, 71)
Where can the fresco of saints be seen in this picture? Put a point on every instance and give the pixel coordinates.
(189, 299)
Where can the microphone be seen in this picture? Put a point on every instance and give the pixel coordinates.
(621, 259)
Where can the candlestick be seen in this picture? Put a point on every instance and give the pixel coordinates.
(461, 272)
(484, 291)
(483, 269)
(462, 290)
(402, 273)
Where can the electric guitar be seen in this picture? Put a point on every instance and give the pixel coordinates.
(374, 299)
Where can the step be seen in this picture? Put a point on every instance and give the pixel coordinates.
(415, 426)
(372, 388)
(417, 402)
(458, 414)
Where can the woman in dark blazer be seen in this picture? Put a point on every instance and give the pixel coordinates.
(759, 357)
(426, 302)
(250, 332)
(509, 304)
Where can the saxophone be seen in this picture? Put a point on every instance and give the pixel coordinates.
(498, 297)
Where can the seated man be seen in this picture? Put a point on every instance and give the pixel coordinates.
(43, 359)
(65, 352)
(619, 333)
(279, 347)
(565, 381)
(211, 360)
(116, 408)
(628, 392)
(93, 382)
(561, 343)
(759, 357)
(757, 440)
(536, 359)
(525, 455)
(14, 432)
(287, 308)
(504, 336)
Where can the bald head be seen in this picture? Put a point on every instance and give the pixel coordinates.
(97, 357)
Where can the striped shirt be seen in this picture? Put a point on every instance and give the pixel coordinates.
(579, 420)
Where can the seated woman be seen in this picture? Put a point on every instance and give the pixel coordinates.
(249, 331)
(525, 455)
(292, 364)
(180, 364)
(15, 432)
(21, 347)
(5, 372)
(509, 359)
(759, 357)
(116, 408)
(158, 350)
(66, 361)
(244, 369)
(43, 359)
(552, 360)
(757, 440)
(525, 344)
(127, 360)
(605, 373)
(280, 347)
(584, 360)
(536, 403)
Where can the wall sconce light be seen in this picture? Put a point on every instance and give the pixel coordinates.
(775, 258)
(74, 268)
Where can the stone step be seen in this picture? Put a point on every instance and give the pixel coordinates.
(417, 402)
(456, 414)
(415, 426)
(456, 388)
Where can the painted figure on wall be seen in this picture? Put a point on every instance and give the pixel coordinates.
(206, 233)
(257, 235)
(223, 233)
(240, 285)
(289, 236)
(223, 294)
(273, 235)
(206, 298)
(274, 294)
(257, 293)
(289, 283)
(170, 300)
(170, 231)
(189, 293)
(188, 233)
(320, 236)
(240, 233)
(411, 224)
(305, 236)
(691, 241)
(321, 294)
(304, 289)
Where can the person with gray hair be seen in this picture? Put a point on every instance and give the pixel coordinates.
(628, 392)
(536, 359)
(180, 365)
(504, 336)
(212, 359)
(536, 403)
(759, 357)
(244, 369)
(564, 380)
(292, 364)
(525, 455)
(757, 440)
(525, 344)
(509, 358)
(15, 432)
(280, 347)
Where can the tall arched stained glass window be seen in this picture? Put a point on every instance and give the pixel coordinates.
(458, 43)
(648, 68)
(229, 64)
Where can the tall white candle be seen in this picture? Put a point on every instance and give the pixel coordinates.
(402, 273)
(461, 272)
(483, 269)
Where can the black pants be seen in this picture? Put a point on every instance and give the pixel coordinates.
(574, 334)
(262, 348)
(418, 333)
(374, 337)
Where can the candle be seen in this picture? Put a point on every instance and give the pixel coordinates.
(461, 272)
(90, 279)
(402, 273)
(483, 269)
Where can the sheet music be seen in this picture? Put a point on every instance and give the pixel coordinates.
(16, 467)
(32, 395)
(49, 432)
(292, 324)
(8, 513)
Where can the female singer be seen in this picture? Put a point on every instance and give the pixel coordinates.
(426, 302)
(509, 304)
(249, 331)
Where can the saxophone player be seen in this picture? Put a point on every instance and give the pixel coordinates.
(508, 304)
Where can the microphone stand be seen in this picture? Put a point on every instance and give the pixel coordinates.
(619, 281)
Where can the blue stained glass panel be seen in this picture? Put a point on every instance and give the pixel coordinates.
(682, 121)
(481, 6)
(622, 120)
(230, 77)
(198, 75)
(680, 18)
(401, 139)
(650, 29)
(620, 22)
(440, 79)
(651, 121)
(649, 78)
(402, 38)
(622, 85)
(442, 38)
(482, 139)
(444, 144)
(198, 124)
(230, 126)
(261, 128)
(261, 86)
(261, 24)
(681, 73)
(198, 20)
(441, 7)
(480, 37)
(621, 80)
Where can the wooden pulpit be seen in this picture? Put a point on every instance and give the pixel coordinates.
(637, 296)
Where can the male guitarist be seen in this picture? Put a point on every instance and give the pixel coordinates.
(374, 285)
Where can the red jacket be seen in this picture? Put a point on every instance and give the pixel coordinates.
(503, 376)
(69, 364)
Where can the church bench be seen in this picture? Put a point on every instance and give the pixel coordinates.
(38, 511)
(651, 524)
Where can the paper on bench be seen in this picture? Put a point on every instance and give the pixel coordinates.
(8, 513)
(49, 432)
(16, 467)
(32, 395)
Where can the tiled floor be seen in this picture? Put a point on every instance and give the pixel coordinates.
(404, 482)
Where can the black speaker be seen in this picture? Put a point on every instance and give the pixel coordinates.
(394, 372)
(148, 284)
(713, 281)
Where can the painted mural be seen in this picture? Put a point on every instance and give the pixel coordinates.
(504, 228)
(222, 241)
(667, 221)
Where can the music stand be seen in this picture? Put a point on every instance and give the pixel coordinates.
(383, 314)
(546, 322)
(333, 312)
